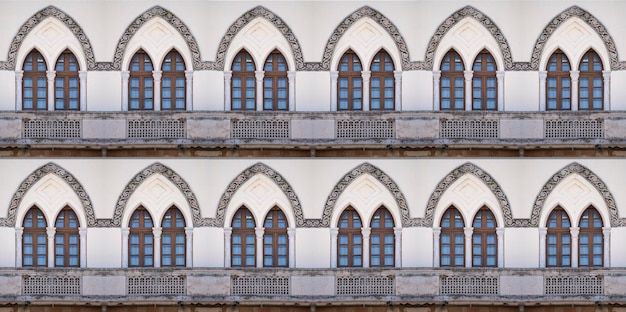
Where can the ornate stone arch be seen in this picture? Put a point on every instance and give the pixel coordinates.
(383, 21)
(592, 178)
(38, 174)
(242, 21)
(452, 20)
(382, 177)
(33, 21)
(156, 168)
(166, 15)
(239, 180)
(450, 178)
(593, 22)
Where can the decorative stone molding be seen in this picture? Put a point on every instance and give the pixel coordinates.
(575, 168)
(242, 21)
(33, 21)
(33, 178)
(156, 168)
(365, 11)
(450, 178)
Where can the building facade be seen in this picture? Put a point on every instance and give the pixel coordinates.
(409, 156)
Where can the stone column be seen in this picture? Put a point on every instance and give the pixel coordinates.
(19, 96)
(291, 236)
(468, 74)
(606, 235)
(189, 90)
(19, 236)
(189, 247)
(291, 78)
(259, 74)
(397, 75)
(125, 78)
(500, 237)
(50, 231)
(82, 76)
(365, 231)
(543, 232)
(228, 75)
(259, 231)
(436, 243)
(574, 74)
(125, 234)
(156, 95)
(500, 82)
(334, 75)
(543, 75)
(50, 74)
(366, 75)
(468, 246)
(82, 233)
(436, 87)
(228, 231)
(574, 231)
(606, 74)
(156, 253)
(333, 246)
(397, 232)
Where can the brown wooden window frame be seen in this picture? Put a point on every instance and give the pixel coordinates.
(561, 74)
(67, 239)
(381, 74)
(243, 70)
(450, 228)
(39, 81)
(144, 75)
(172, 229)
(275, 83)
(145, 241)
(67, 82)
(352, 74)
(382, 228)
(592, 74)
(484, 82)
(245, 230)
(349, 227)
(590, 225)
(450, 70)
(37, 230)
(484, 239)
(275, 239)
(562, 239)
(173, 70)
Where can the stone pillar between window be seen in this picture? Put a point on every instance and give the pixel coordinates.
(19, 236)
(397, 234)
(606, 74)
(334, 232)
(259, 74)
(468, 246)
(543, 232)
(397, 75)
(500, 238)
(543, 76)
(50, 74)
(500, 82)
(436, 243)
(366, 75)
(125, 234)
(125, 78)
(334, 75)
(82, 77)
(188, 90)
(468, 74)
(82, 234)
(291, 78)
(436, 87)
(228, 75)
(365, 232)
(156, 95)
(156, 253)
(574, 75)
(259, 231)
(50, 231)
(189, 247)
(291, 236)
(574, 231)
(606, 234)
(228, 231)
(19, 96)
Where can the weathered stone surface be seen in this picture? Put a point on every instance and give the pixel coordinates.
(525, 285)
(11, 285)
(208, 128)
(104, 128)
(312, 285)
(521, 128)
(208, 285)
(11, 128)
(312, 129)
(417, 285)
(104, 285)
(417, 128)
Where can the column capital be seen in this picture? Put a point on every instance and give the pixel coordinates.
(82, 231)
(436, 74)
(543, 74)
(156, 231)
(500, 231)
(125, 74)
(606, 231)
(19, 230)
(436, 231)
(189, 231)
(366, 231)
(157, 74)
(259, 231)
(574, 231)
(291, 74)
(50, 74)
(468, 230)
(468, 74)
(51, 231)
(259, 74)
(228, 231)
(291, 232)
(334, 231)
(574, 74)
(228, 74)
(125, 231)
(334, 74)
(500, 74)
(188, 74)
(397, 231)
(82, 74)
(366, 75)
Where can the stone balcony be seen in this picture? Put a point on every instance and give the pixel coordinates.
(409, 286)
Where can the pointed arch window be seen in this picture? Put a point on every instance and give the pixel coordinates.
(35, 82)
(591, 83)
(275, 240)
(243, 82)
(173, 239)
(141, 82)
(350, 91)
(350, 246)
(452, 239)
(559, 89)
(382, 82)
(559, 240)
(66, 83)
(243, 240)
(275, 83)
(382, 239)
(484, 82)
(591, 243)
(66, 239)
(141, 245)
(173, 85)
(452, 92)
(34, 239)
(484, 240)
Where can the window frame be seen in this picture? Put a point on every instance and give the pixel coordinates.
(560, 231)
(67, 75)
(352, 60)
(175, 216)
(35, 74)
(453, 230)
(453, 58)
(351, 231)
(142, 231)
(66, 231)
(381, 216)
(35, 231)
(382, 75)
(243, 215)
(590, 57)
(484, 75)
(245, 58)
(174, 58)
(592, 215)
(143, 74)
(275, 75)
(274, 231)
(560, 60)
(483, 230)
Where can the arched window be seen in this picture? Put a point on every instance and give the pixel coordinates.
(275, 241)
(452, 239)
(275, 84)
(452, 82)
(66, 240)
(559, 242)
(382, 239)
(484, 82)
(590, 82)
(35, 82)
(590, 239)
(173, 88)
(34, 239)
(350, 246)
(173, 239)
(243, 248)
(141, 89)
(243, 82)
(382, 82)
(350, 91)
(484, 240)
(66, 83)
(559, 90)
(141, 253)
